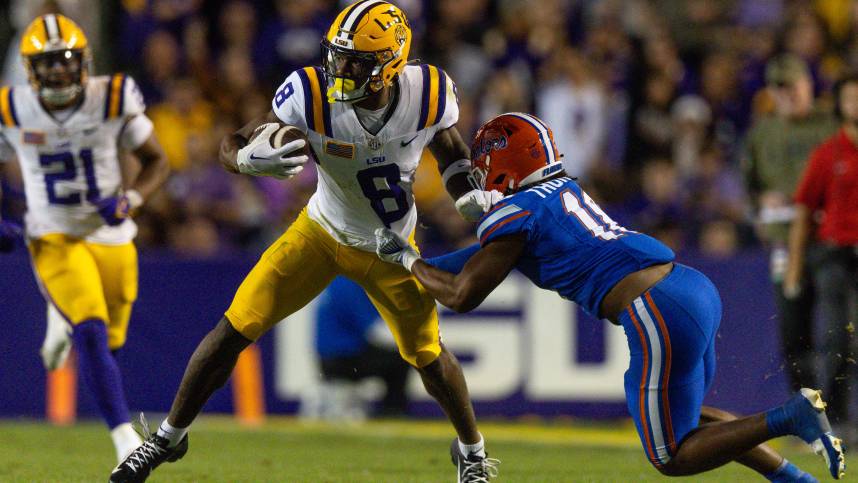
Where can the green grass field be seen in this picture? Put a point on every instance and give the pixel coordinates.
(285, 450)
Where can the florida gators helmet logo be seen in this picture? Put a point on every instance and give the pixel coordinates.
(513, 150)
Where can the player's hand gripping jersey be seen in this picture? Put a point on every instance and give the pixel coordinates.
(69, 166)
(573, 247)
(365, 180)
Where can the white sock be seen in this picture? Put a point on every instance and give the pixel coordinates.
(125, 439)
(478, 448)
(171, 434)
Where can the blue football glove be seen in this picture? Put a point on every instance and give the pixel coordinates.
(9, 234)
(114, 210)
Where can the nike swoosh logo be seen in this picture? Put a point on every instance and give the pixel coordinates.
(255, 157)
(409, 142)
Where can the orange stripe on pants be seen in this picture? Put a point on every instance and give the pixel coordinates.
(248, 394)
(665, 382)
(643, 389)
(61, 392)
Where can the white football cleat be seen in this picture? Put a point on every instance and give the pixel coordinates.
(57, 344)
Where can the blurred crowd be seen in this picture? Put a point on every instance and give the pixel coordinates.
(650, 100)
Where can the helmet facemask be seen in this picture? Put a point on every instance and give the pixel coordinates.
(58, 76)
(354, 75)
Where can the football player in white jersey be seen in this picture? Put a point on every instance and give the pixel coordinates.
(368, 115)
(66, 130)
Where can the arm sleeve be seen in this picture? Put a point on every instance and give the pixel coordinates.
(811, 188)
(504, 219)
(288, 102)
(453, 262)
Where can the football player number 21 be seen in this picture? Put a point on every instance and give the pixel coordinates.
(380, 184)
(68, 163)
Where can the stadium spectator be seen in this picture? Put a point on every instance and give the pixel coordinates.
(776, 151)
(573, 100)
(646, 59)
(161, 64)
(182, 113)
(290, 40)
(829, 188)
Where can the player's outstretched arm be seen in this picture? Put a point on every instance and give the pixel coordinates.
(231, 143)
(454, 262)
(484, 269)
(483, 272)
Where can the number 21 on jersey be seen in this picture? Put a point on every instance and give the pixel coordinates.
(67, 163)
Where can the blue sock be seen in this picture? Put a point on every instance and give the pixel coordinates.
(788, 472)
(100, 371)
(778, 422)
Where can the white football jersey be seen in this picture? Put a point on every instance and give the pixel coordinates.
(365, 179)
(69, 165)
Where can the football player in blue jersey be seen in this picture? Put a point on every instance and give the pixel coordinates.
(549, 229)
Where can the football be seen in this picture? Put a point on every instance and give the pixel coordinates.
(283, 135)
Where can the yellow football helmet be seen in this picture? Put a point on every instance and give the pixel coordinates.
(365, 49)
(57, 57)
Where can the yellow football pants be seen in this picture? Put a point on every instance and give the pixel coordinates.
(88, 281)
(304, 260)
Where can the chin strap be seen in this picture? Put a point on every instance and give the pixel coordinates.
(62, 96)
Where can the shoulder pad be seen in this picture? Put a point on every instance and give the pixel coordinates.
(433, 98)
(122, 97)
(8, 116)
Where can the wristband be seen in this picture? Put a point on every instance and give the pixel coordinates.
(456, 167)
(135, 199)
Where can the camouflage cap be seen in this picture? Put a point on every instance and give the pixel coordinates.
(786, 69)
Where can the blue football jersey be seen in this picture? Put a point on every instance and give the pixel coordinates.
(573, 247)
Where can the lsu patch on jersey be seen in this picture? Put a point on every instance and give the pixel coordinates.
(573, 247)
(365, 180)
(69, 165)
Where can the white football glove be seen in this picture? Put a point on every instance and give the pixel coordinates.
(475, 203)
(392, 248)
(258, 158)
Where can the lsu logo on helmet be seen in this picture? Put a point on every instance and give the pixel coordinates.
(56, 55)
(513, 150)
(365, 48)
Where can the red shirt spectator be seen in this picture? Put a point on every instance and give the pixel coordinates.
(830, 185)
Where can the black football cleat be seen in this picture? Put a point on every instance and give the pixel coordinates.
(472, 468)
(137, 466)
